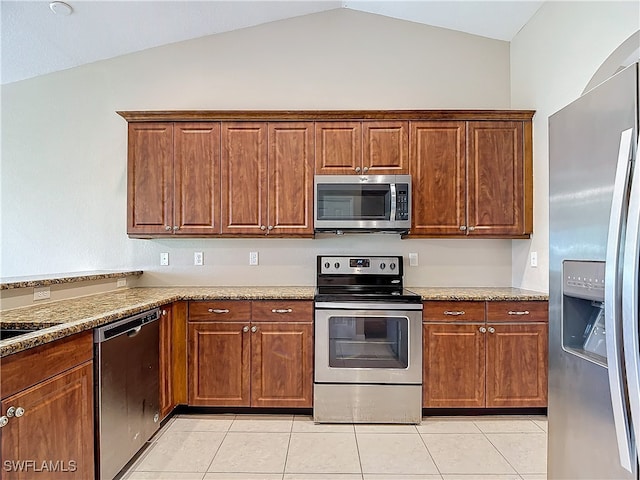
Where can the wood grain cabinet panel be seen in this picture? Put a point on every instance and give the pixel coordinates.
(150, 178)
(438, 174)
(496, 183)
(517, 356)
(282, 364)
(56, 429)
(454, 365)
(470, 361)
(338, 147)
(264, 361)
(385, 149)
(220, 311)
(219, 364)
(173, 178)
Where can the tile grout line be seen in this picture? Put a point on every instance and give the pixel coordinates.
(498, 450)
(429, 453)
(219, 446)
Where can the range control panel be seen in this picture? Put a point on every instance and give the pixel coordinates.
(347, 265)
(583, 279)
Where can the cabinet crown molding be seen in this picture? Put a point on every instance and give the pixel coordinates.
(320, 115)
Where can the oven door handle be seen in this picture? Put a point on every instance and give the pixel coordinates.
(394, 203)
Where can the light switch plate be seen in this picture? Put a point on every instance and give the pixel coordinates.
(198, 258)
(41, 293)
(413, 259)
(164, 258)
(253, 258)
(534, 259)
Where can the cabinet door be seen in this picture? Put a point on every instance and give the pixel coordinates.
(197, 178)
(219, 356)
(166, 377)
(150, 178)
(495, 178)
(282, 365)
(290, 178)
(55, 434)
(385, 148)
(338, 148)
(437, 167)
(453, 365)
(244, 177)
(517, 365)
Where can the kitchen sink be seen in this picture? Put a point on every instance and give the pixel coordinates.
(6, 333)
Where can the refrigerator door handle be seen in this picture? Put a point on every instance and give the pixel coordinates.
(613, 302)
(630, 302)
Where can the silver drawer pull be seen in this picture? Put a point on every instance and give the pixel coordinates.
(454, 313)
(281, 310)
(218, 310)
(525, 312)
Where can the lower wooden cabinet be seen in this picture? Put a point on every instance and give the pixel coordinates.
(489, 360)
(265, 360)
(166, 373)
(49, 429)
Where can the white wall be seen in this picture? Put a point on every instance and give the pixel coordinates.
(63, 175)
(552, 60)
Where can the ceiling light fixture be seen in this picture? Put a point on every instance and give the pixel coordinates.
(61, 8)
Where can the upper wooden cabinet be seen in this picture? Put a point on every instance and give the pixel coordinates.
(472, 178)
(372, 148)
(174, 178)
(250, 173)
(267, 178)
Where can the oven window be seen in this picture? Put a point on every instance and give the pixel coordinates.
(368, 342)
(353, 202)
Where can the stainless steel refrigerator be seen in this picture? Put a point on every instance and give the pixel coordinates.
(594, 247)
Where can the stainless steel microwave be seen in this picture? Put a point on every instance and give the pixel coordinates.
(362, 203)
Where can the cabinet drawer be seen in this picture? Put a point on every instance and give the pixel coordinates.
(282, 311)
(448, 311)
(518, 311)
(221, 311)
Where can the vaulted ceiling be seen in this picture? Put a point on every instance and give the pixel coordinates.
(35, 41)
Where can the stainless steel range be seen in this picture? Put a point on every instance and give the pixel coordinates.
(368, 342)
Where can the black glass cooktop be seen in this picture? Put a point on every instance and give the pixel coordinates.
(357, 293)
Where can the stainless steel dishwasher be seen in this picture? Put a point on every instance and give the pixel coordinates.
(127, 389)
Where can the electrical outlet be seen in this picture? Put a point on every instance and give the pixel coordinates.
(413, 259)
(534, 259)
(164, 258)
(253, 258)
(41, 293)
(198, 258)
(121, 282)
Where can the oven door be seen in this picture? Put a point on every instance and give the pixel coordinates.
(368, 344)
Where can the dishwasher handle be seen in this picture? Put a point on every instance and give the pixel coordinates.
(130, 326)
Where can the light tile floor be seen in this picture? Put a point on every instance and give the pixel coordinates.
(288, 447)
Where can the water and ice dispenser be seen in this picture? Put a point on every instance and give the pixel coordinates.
(583, 328)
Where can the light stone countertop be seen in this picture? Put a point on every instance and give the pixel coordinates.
(62, 318)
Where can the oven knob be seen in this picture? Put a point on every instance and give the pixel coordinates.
(337, 265)
(327, 264)
(382, 266)
(392, 266)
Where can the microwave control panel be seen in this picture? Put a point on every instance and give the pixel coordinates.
(402, 201)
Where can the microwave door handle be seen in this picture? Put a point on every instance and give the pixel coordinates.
(394, 201)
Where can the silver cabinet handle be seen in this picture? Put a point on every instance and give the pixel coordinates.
(357, 169)
(167, 227)
(463, 227)
(164, 313)
(270, 227)
(524, 312)
(11, 411)
(254, 329)
(245, 329)
(365, 169)
(491, 330)
(19, 412)
(454, 313)
(262, 227)
(15, 412)
(176, 227)
(471, 229)
(218, 310)
(482, 330)
(281, 310)
(3, 421)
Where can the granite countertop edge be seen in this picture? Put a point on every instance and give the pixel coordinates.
(8, 283)
(63, 318)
